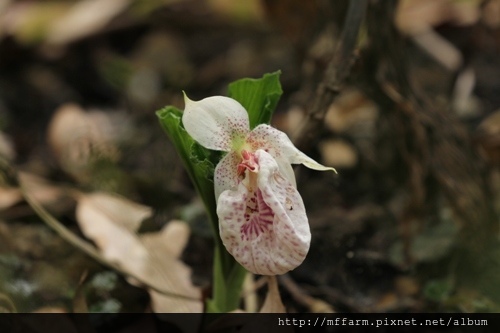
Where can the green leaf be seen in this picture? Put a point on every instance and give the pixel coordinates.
(258, 96)
(197, 159)
(199, 163)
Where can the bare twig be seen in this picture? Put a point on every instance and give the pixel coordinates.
(336, 74)
(7, 304)
(300, 296)
(434, 145)
(76, 241)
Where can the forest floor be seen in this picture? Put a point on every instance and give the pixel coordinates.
(78, 95)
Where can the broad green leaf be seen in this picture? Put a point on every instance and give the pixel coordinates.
(199, 163)
(258, 96)
(195, 157)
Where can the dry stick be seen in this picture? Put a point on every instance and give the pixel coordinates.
(5, 301)
(300, 296)
(336, 74)
(84, 246)
(432, 141)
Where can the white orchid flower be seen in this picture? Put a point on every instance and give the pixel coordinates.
(262, 218)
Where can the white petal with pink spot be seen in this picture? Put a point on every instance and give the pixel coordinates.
(215, 122)
(262, 219)
(264, 225)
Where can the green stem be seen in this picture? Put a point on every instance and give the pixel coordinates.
(228, 275)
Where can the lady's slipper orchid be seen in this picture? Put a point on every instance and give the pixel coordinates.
(262, 218)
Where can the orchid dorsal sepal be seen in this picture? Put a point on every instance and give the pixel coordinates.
(217, 123)
(262, 219)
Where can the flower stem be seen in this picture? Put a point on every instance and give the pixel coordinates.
(228, 276)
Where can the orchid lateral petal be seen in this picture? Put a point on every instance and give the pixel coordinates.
(286, 170)
(226, 174)
(217, 122)
(277, 143)
(263, 223)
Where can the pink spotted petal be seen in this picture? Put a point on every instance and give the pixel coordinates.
(286, 170)
(216, 122)
(225, 174)
(264, 224)
(277, 143)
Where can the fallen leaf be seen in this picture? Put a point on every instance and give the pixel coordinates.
(491, 13)
(349, 111)
(28, 21)
(338, 154)
(164, 268)
(417, 16)
(7, 149)
(77, 136)
(387, 302)
(273, 303)
(488, 136)
(490, 126)
(84, 18)
(121, 211)
(406, 286)
(49, 195)
(111, 222)
(9, 196)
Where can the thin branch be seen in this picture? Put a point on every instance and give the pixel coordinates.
(300, 296)
(82, 245)
(336, 74)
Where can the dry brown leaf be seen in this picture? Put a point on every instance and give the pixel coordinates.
(121, 211)
(273, 303)
(491, 13)
(294, 118)
(406, 286)
(7, 150)
(490, 126)
(351, 109)
(164, 268)
(70, 135)
(338, 153)
(28, 21)
(76, 136)
(488, 136)
(417, 16)
(9, 196)
(111, 222)
(84, 18)
(41, 190)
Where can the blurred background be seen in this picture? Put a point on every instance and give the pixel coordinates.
(412, 125)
